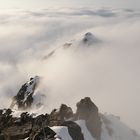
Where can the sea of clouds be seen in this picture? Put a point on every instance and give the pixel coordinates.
(108, 72)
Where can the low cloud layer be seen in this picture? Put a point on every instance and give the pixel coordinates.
(108, 72)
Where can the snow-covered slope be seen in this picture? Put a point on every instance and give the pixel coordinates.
(86, 133)
(62, 132)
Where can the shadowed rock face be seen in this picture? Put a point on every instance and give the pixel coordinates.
(74, 130)
(88, 111)
(12, 128)
(24, 97)
(45, 133)
(86, 108)
(5, 118)
(57, 117)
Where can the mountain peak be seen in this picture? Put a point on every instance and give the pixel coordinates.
(24, 97)
(89, 39)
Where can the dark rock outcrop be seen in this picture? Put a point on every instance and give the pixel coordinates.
(5, 118)
(17, 132)
(12, 128)
(58, 116)
(74, 130)
(24, 97)
(88, 111)
(43, 134)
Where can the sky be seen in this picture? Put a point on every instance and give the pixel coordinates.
(134, 4)
(108, 73)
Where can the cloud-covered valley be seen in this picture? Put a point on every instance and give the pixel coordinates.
(107, 71)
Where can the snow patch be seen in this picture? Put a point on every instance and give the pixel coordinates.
(86, 133)
(62, 132)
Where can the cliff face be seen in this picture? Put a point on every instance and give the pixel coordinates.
(88, 111)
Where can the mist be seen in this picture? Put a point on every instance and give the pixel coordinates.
(107, 71)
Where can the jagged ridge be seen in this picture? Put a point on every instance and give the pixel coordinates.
(61, 124)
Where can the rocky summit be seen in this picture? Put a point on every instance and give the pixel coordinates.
(88, 111)
(62, 123)
(24, 98)
(39, 127)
